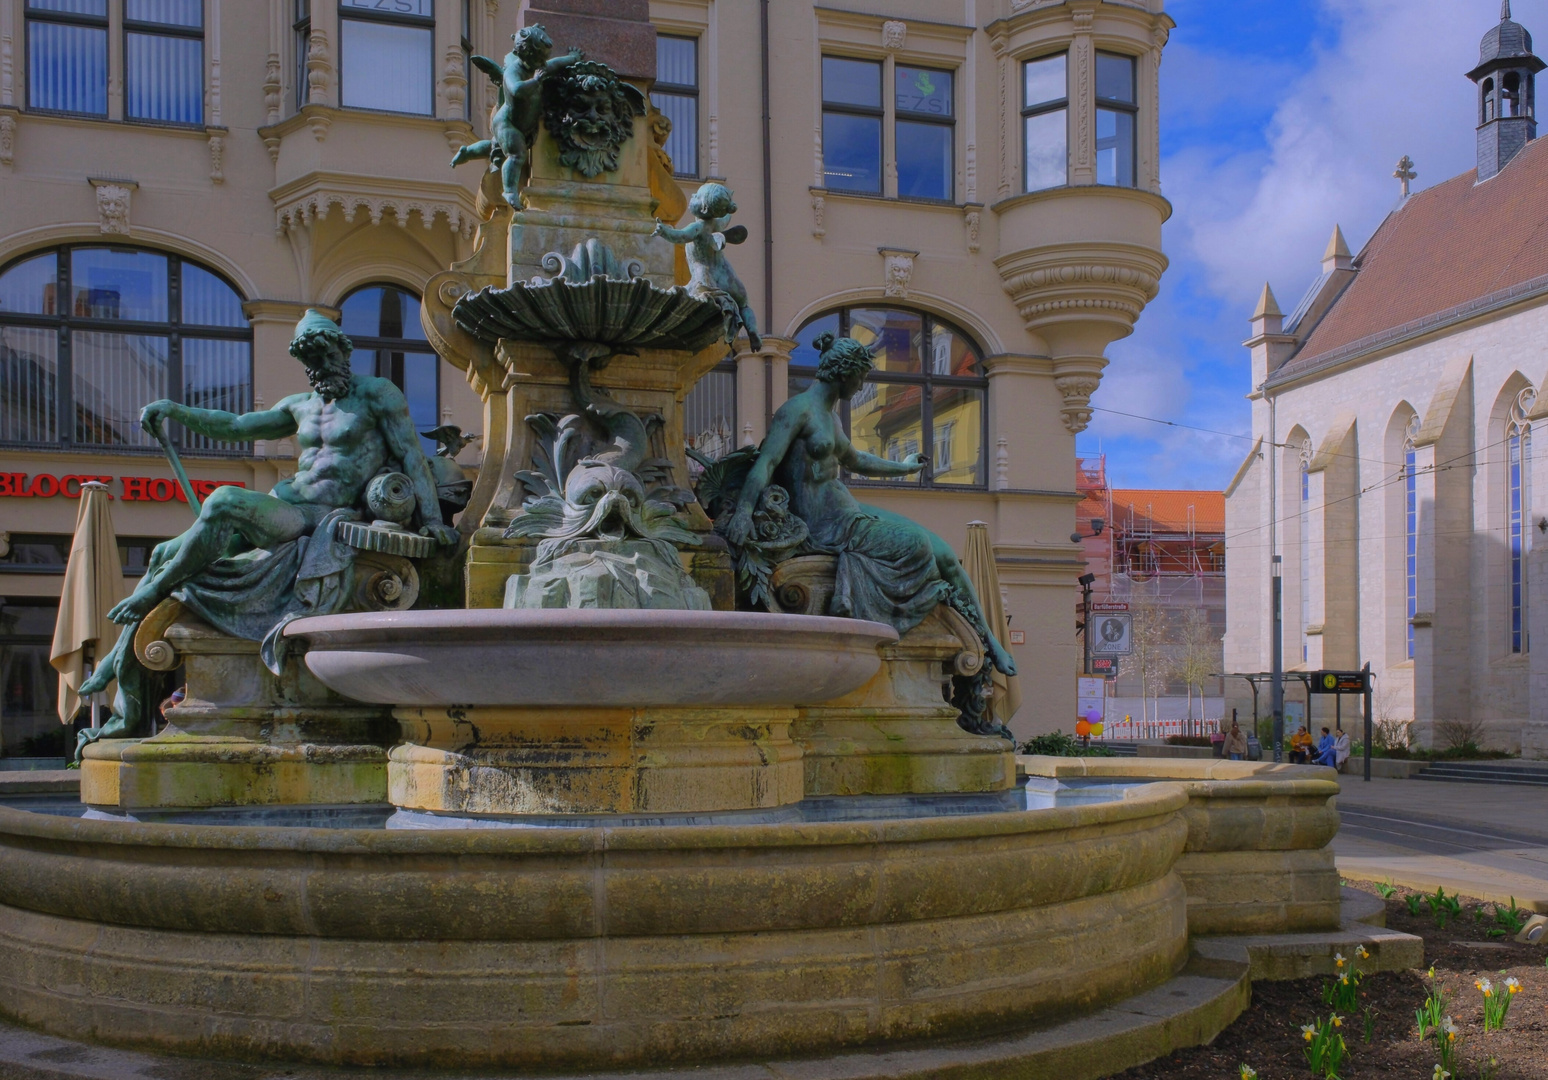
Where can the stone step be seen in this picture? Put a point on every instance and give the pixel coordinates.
(1445, 771)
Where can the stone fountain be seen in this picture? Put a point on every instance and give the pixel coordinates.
(653, 790)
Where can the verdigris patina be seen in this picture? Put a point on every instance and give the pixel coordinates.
(513, 124)
(890, 569)
(252, 562)
(710, 276)
(590, 113)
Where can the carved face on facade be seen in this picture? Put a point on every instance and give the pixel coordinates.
(590, 113)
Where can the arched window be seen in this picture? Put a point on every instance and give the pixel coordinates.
(1303, 522)
(383, 322)
(926, 395)
(1410, 530)
(1518, 444)
(90, 334)
(1488, 100)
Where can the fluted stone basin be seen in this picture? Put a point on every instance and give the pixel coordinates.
(511, 714)
(499, 657)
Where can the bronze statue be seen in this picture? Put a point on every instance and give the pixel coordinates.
(513, 124)
(890, 569)
(710, 275)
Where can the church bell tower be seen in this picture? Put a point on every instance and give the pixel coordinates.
(1507, 90)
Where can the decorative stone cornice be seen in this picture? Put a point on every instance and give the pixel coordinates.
(7, 138)
(301, 202)
(1077, 387)
(1103, 282)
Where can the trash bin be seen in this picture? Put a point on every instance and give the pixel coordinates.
(1254, 749)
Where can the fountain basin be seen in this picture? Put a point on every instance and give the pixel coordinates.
(590, 658)
(514, 713)
(585, 948)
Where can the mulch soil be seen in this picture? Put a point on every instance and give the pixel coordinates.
(1268, 1037)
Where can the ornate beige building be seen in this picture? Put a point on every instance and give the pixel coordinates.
(972, 185)
(1393, 470)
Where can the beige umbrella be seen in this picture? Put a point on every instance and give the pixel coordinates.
(94, 582)
(978, 564)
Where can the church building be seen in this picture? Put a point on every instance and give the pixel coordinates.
(1392, 481)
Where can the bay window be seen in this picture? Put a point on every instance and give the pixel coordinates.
(386, 55)
(1117, 106)
(1045, 121)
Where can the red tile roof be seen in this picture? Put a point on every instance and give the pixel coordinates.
(1449, 244)
(1167, 510)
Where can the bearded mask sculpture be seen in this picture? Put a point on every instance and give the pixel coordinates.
(590, 113)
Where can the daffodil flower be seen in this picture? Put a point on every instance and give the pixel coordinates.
(1361, 952)
(1431, 973)
(1338, 1021)
(1338, 959)
(1308, 1032)
(1513, 986)
(1486, 986)
(1441, 1074)
(1450, 1029)
(1249, 1073)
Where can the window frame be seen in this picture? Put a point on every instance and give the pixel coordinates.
(1518, 523)
(301, 37)
(1115, 105)
(1028, 111)
(173, 329)
(405, 345)
(927, 383)
(31, 15)
(878, 113)
(387, 18)
(683, 90)
(949, 122)
(1410, 540)
(188, 33)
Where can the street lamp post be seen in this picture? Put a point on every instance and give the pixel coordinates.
(1086, 581)
(1277, 659)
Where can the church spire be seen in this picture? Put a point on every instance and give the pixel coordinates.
(1507, 87)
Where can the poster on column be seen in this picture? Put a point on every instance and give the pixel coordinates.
(1090, 697)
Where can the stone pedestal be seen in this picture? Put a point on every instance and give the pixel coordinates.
(897, 734)
(563, 760)
(242, 736)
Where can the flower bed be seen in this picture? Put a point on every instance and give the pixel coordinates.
(1269, 1038)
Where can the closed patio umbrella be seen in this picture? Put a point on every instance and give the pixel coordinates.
(978, 564)
(94, 582)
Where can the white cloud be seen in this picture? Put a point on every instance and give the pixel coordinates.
(1391, 83)
(1385, 79)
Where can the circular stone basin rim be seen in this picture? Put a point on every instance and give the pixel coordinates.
(499, 657)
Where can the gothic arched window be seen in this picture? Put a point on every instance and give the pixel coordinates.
(1303, 521)
(89, 334)
(383, 322)
(1411, 530)
(926, 395)
(1518, 529)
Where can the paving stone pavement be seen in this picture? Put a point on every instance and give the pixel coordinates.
(1479, 839)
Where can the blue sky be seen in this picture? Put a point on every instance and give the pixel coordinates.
(1279, 118)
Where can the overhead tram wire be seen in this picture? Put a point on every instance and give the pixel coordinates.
(1229, 434)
